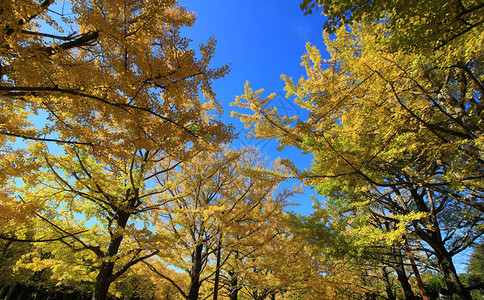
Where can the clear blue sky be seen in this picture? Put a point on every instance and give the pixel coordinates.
(260, 40)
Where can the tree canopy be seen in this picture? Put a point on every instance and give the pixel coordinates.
(414, 26)
(116, 179)
(99, 100)
(395, 133)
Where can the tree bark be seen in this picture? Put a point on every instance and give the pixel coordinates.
(432, 236)
(21, 294)
(402, 276)
(10, 292)
(195, 273)
(421, 287)
(217, 272)
(454, 286)
(388, 286)
(103, 281)
(2, 290)
(234, 282)
(105, 275)
(234, 289)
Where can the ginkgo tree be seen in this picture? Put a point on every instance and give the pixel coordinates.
(96, 210)
(121, 62)
(419, 26)
(392, 129)
(96, 97)
(288, 267)
(367, 250)
(104, 74)
(229, 236)
(221, 203)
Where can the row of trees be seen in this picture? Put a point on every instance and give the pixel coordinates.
(114, 182)
(206, 228)
(395, 127)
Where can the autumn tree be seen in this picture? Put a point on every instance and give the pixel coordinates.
(106, 74)
(96, 209)
(98, 96)
(417, 26)
(391, 129)
(288, 267)
(220, 203)
(356, 239)
(118, 62)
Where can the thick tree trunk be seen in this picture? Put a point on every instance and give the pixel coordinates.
(105, 275)
(103, 281)
(23, 290)
(195, 273)
(234, 289)
(10, 292)
(406, 287)
(432, 235)
(454, 286)
(402, 276)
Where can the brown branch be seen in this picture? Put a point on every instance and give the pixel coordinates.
(471, 75)
(469, 28)
(25, 90)
(83, 40)
(154, 270)
(3, 132)
(96, 200)
(167, 169)
(96, 249)
(14, 239)
(132, 263)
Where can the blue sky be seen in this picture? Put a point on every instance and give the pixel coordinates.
(260, 40)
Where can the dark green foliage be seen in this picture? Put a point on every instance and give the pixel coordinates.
(476, 263)
(416, 25)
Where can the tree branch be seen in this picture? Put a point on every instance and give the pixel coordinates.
(153, 269)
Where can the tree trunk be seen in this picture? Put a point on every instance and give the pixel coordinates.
(105, 275)
(388, 286)
(103, 281)
(402, 276)
(10, 292)
(454, 286)
(217, 271)
(420, 284)
(234, 289)
(432, 236)
(2, 290)
(23, 290)
(195, 273)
